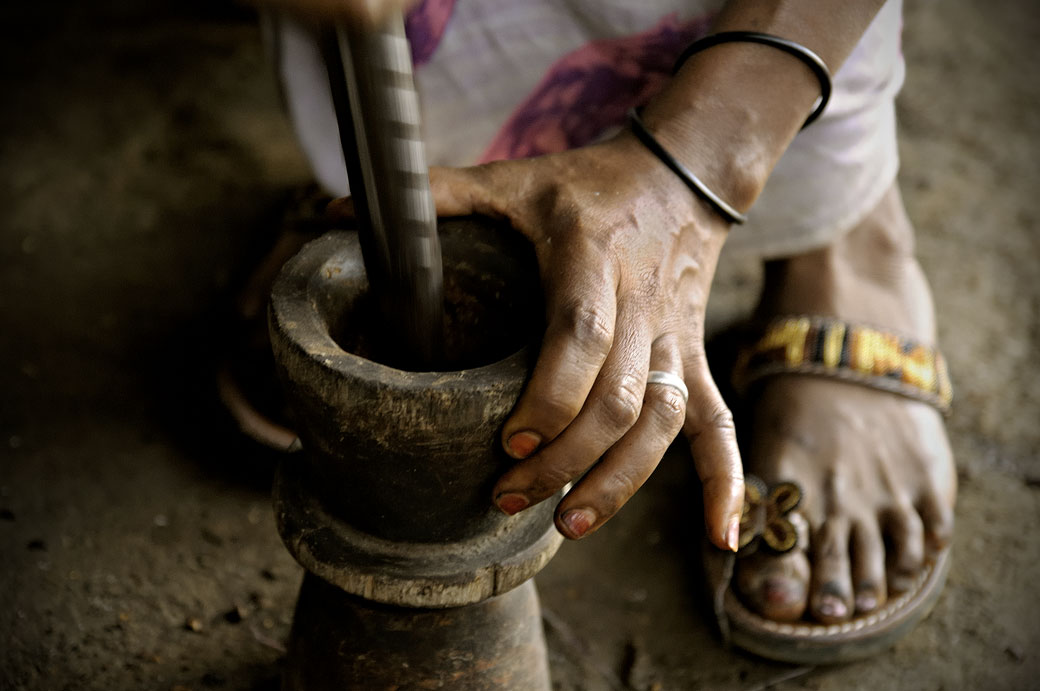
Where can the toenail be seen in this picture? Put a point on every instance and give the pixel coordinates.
(523, 444)
(578, 521)
(866, 597)
(866, 602)
(511, 502)
(832, 606)
(780, 591)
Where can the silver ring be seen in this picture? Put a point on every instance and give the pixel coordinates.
(668, 379)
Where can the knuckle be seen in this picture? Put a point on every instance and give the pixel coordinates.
(721, 417)
(590, 326)
(611, 492)
(650, 281)
(622, 404)
(715, 416)
(667, 405)
(724, 476)
(550, 479)
(623, 486)
(559, 407)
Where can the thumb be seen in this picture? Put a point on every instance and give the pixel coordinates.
(467, 191)
(456, 192)
(713, 444)
(340, 210)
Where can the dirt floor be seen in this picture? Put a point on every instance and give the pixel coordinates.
(144, 159)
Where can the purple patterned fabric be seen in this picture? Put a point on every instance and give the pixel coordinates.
(591, 89)
(425, 25)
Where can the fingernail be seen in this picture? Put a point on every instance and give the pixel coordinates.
(578, 521)
(733, 534)
(831, 606)
(511, 503)
(523, 444)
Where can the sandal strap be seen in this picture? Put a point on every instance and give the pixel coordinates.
(847, 351)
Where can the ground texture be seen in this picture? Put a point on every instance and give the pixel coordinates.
(145, 159)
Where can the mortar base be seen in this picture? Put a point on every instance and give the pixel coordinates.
(340, 642)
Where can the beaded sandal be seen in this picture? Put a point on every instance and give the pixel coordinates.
(850, 352)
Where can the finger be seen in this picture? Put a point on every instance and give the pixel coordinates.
(340, 210)
(580, 291)
(713, 445)
(582, 312)
(629, 462)
(482, 190)
(612, 407)
(479, 190)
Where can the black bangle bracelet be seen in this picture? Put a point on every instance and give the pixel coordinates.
(691, 180)
(811, 59)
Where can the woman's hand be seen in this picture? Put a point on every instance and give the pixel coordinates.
(627, 254)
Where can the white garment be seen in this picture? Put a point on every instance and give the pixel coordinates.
(496, 56)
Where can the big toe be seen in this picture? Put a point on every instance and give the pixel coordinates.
(774, 586)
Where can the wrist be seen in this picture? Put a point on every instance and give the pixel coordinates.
(695, 185)
(687, 213)
(730, 113)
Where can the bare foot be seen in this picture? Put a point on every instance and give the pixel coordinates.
(876, 471)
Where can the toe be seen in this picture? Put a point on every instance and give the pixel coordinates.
(774, 586)
(830, 598)
(937, 517)
(906, 553)
(868, 567)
